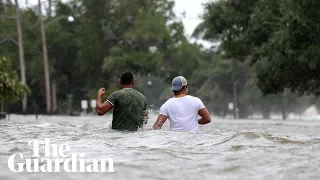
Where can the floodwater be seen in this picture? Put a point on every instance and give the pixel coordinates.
(224, 149)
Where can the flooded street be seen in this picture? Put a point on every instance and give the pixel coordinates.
(224, 149)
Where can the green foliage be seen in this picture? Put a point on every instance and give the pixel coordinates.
(278, 37)
(265, 45)
(11, 88)
(105, 39)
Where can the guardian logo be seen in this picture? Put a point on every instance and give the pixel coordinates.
(56, 159)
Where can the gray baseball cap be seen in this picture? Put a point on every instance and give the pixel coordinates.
(178, 82)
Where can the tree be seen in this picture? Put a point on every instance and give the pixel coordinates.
(21, 52)
(214, 79)
(11, 88)
(279, 38)
(287, 50)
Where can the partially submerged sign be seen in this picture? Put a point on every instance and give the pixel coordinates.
(84, 104)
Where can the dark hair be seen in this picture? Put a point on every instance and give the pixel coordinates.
(126, 78)
(183, 87)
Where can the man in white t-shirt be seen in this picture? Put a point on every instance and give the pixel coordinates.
(182, 110)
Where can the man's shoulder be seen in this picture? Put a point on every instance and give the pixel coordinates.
(141, 95)
(169, 100)
(116, 92)
(132, 91)
(173, 100)
(138, 92)
(194, 98)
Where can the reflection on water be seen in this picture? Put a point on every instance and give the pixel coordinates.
(225, 149)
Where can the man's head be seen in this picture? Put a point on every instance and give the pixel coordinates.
(127, 80)
(179, 85)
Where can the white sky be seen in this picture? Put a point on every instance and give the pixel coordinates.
(192, 9)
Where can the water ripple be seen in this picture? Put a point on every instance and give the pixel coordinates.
(224, 149)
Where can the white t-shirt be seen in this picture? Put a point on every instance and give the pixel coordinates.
(183, 112)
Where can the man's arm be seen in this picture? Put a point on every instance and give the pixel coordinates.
(102, 108)
(160, 121)
(205, 116)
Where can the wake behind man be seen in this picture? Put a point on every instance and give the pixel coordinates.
(130, 106)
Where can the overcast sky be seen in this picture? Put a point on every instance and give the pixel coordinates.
(192, 9)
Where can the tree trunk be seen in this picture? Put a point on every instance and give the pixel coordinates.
(21, 54)
(266, 111)
(266, 108)
(283, 108)
(46, 62)
(50, 8)
(284, 116)
(235, 89)
(243, 111)
(54, 96)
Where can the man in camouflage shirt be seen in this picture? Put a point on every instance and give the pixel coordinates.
(130, 106)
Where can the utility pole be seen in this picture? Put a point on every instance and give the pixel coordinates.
(21, 54)
(54, 96)
(45, 60)
(235, 91)
(54, 83)
(50, 8)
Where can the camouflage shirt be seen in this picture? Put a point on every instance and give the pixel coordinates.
(129, 108)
